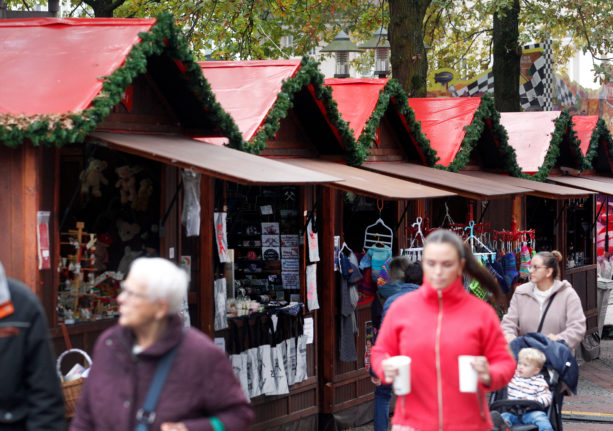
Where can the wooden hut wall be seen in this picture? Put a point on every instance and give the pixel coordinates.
(27, 187)
(290, 140)
(391, 135)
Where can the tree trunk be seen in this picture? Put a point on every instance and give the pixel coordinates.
(104, 8)
(507, 56)
(406, 37)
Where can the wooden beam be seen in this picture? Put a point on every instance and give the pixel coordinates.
(326, 283)
(207, 241)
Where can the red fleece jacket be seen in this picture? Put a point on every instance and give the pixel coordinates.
(468, 326)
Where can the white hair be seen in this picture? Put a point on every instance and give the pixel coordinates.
(162, 279)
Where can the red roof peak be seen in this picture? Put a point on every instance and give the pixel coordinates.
(40, 22)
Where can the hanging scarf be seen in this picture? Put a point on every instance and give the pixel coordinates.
(6, 305)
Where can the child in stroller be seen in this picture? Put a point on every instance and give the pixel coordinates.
(560, 372)
(529, 384)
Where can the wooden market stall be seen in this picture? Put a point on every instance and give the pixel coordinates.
(547, 148)
(297, 121)
(98, 157)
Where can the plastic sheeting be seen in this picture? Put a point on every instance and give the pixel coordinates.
(584, 126)
(356, 100)
(247, 90)
(443, 121)
(530, 135)
(55, 65)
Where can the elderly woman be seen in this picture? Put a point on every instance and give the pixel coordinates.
(200, 391)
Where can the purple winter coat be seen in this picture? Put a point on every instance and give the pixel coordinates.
(200, 384)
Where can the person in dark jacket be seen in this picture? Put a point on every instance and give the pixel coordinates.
(405, 277)
(30, 392)
(200, 392)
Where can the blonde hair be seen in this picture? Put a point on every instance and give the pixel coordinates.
(533, 355)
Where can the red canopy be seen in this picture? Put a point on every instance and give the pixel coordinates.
(247, 90)
(55, 65)
(584, 126)
(530, 135)
(443, 121)
(356, 100)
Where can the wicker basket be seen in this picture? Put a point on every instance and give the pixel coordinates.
(72, 388)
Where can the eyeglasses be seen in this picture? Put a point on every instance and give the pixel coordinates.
(130, 293)
(534, 267)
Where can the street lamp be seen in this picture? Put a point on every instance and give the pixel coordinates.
(341, 46)
(381, 45)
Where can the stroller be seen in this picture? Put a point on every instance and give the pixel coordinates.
(560, 371)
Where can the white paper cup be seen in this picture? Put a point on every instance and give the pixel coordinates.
(402, 381)
(468, 375)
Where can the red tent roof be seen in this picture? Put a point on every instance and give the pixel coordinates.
(247, 90)
(443, 121)
(530, 135)
(356, 100)
(55, 65)
(584, 126)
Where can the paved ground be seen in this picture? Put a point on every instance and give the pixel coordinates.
(592, 408)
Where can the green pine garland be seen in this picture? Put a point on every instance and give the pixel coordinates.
(601, 133)
(308, 74)
(563, 128)
(163, 38)
(393, 92)
(486, 116)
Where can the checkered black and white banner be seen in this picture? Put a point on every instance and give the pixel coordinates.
(536, 94)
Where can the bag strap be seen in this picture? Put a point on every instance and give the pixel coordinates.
(545, 312)
(146, 415)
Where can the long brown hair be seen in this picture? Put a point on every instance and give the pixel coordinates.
(472, 267)
(551, 259)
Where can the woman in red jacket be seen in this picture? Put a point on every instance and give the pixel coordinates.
(434, 326)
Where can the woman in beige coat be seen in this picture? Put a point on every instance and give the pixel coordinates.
(564, 320)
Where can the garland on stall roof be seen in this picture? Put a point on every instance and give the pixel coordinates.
(600, 133)
(73, 127)
(308, 74)
(563, 126)
(474, 131)
(393, 91)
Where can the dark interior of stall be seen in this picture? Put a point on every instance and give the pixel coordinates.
(109, 216)
(544, 215)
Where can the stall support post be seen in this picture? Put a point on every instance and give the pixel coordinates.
(518, 213)
(327, 328)
(29, 206)
(207, 248)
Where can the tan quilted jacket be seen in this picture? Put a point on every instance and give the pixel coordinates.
(564, 318)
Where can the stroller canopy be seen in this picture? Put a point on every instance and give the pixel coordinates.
(557, 353)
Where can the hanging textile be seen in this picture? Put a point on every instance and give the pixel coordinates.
(221, 237)
(350, 275)
(311, 281)
(220, 292)
(313, 243)
(191, 202)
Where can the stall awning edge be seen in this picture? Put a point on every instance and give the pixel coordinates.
(209, 159)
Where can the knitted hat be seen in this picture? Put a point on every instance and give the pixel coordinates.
(510, 268)
(524, 262)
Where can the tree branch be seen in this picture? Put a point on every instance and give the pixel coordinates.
(587, 37)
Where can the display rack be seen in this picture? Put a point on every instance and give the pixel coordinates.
(76, 262)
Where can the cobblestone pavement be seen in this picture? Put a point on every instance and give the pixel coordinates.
(594, 400)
